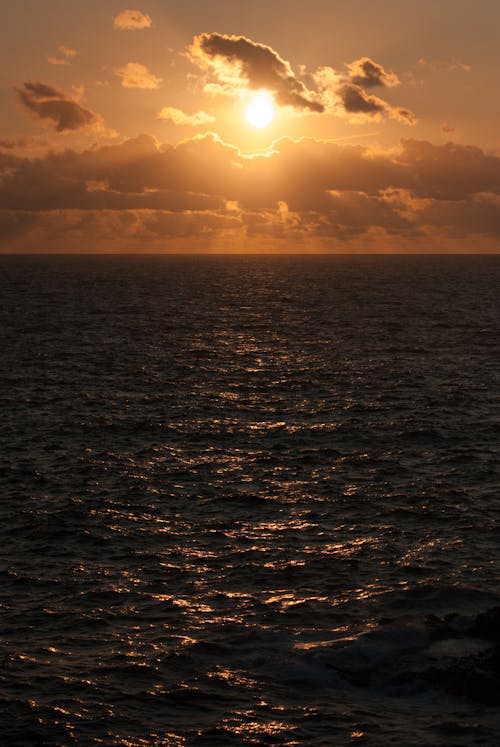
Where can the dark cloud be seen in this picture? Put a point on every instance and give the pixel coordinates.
(369, 74)
(451, 171)
(48, 102)
(257, 65)
(136, 174)
(310, 192)
(357, 102)
(462, 218)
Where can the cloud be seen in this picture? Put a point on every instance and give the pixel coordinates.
(202, 194)
(135, 75)
(67, 53)
(239, 62)
(363, 106)
(343, 97)
(449, 66)
(47, 102)
(355, 100)
(32, 142)
(369, 74)
(178, 117)
(132, 20)
(402, 114)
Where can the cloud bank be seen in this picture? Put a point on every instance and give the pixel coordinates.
(203, 195)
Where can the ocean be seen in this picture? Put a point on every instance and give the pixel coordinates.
(250, 500)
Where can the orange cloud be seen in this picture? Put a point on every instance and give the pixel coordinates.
(47, 102)
(132, 20)
(24, 143)
(135, 75)
(369, 74)
(449, 66)
(178, 117)
(67, 53)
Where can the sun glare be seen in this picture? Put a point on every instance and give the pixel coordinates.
(260, 111)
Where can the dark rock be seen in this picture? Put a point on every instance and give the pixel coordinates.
(439, 629)
(476, 678)
(487, 625)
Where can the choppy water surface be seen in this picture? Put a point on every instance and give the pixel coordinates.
(235, 488)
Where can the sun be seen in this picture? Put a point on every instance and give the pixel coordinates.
(260, 111)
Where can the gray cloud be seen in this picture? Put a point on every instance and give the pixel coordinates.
(48, 102)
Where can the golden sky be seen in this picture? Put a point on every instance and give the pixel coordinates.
(270, 126)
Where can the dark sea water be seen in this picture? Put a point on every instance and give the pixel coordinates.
(249, 501)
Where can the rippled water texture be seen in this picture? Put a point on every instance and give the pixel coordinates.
(235, 488)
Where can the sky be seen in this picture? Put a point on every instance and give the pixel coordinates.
(270, 126)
